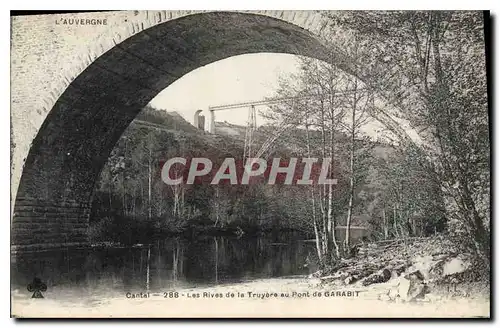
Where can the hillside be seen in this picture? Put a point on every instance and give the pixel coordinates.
(130, 184)
(291, 143)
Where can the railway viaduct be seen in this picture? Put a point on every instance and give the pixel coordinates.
(78, 80)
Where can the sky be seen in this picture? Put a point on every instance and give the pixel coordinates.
(244, 78)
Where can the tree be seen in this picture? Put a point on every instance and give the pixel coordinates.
(318, 107)
(431, 65)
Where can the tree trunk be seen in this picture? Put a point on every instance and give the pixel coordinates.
(395, 222)
(149, 185)
(331, 215)
(216, 260)
(313, 203)
(147, 268)
(386, 224)
(351, 169)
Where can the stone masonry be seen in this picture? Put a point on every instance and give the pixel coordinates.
(76, 86)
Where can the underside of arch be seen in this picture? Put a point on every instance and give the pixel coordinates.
(52, 206)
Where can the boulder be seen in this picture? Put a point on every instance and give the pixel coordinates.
(377, 277)
(398, 270)
(424, 265)
(454, 266)
(349, 280)
(412, 286)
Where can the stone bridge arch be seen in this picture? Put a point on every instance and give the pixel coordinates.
(97, 97)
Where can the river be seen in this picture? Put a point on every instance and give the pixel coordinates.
(165, 264)
(202, 277)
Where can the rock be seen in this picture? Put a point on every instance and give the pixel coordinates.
(416, 276)
(454, 266)
(436, 271)
(417, 291)
(393, 292)
(440, 256)
(349, 280)
(377, 277)
(316, 274)
(340, 275)
(424, 265)
(328, 279)
(398, 270)
(403, 288)
(412, 286)
(385, 297)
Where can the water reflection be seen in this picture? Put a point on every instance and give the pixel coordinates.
(165, 264)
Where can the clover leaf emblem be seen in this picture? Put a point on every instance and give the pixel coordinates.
(37, 287)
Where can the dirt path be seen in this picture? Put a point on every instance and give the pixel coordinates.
(280, 297)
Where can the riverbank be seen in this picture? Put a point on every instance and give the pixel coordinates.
(128, 231)
(261, 298)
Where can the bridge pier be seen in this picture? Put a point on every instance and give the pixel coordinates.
(40, 224)
(212, 122)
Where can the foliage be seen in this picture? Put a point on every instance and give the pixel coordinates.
(431, 65)
(424, 67)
